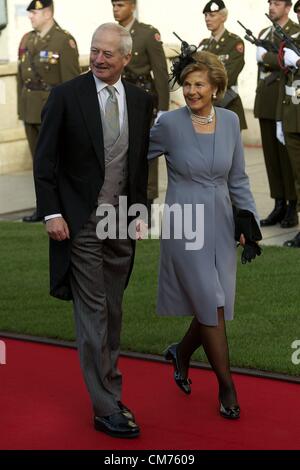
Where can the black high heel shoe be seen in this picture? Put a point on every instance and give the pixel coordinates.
(230, 412)
(171, 355)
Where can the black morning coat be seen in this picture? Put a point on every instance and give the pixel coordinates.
(69, 166)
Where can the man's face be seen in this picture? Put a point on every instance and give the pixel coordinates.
(38, 18)
(106, 60)
(123, 10)
(278, 9)
(214, 20)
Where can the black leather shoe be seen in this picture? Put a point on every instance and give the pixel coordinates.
(117, 425)
(294, 243)
(230, 412)
(291, 216)
(126, 411)
(276, 215)
(171, 355)
(32, 218)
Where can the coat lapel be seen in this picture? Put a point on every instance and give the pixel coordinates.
(87, 95)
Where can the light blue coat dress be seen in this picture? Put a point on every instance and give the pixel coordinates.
(207, 170)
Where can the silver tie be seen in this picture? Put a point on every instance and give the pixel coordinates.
(112, 116)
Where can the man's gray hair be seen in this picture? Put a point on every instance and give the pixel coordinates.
(125, 38)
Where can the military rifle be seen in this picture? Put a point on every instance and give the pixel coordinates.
(289, 42)
(265, 43)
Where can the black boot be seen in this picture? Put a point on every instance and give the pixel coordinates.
(276, 215)
(32, 218)
(291, 216)
(294, 243)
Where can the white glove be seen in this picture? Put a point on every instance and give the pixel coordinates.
(259, 53)
(279, 132)
(290, 58)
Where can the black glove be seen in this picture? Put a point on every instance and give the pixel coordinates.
(250, 251)
(245, 223)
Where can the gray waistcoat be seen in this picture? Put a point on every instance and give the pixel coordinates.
(116, 166)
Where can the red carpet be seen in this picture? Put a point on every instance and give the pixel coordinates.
(44, 405)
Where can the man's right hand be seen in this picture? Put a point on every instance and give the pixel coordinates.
(58, 229)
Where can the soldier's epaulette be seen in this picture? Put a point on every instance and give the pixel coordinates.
(149, 27)
(234, 36)
(263, 31)
(204, 41)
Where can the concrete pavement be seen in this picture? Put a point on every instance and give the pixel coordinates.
(17, 196)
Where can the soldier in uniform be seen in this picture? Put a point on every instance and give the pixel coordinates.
(147, 69)
(278, 166)
(48, 56)
(297, 10)
(289, 115)
(230, 49)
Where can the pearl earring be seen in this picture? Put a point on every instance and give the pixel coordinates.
(214, 96)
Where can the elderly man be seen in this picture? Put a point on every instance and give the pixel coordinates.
(230, 49)
(277, 161)
(92, 150)
(48, 56)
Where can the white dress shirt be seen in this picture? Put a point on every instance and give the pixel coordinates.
(103, 95)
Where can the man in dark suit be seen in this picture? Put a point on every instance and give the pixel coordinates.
(92, 150)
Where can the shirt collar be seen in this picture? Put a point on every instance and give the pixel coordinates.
(217, 38)
(100, 85)
(129, 26)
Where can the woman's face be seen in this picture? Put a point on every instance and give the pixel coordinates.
(198, 91)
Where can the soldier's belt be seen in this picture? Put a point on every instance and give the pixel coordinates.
(292, 91)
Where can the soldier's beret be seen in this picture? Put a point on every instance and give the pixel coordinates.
(296, 6)
(214, 5)
(39, 4)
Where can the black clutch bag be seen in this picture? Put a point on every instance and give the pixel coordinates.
(246, 224)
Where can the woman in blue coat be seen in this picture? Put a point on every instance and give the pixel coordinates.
(206, 177)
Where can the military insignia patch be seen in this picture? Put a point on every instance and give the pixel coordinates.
(38, 6)
(240, 47)
(157, 37)
(72, 43)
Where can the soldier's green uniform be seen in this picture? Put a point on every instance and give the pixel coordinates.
(148, 70)
(230, 50)
(278, 166)
(43, 64)
(288, 111)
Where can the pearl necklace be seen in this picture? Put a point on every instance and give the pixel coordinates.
(203, 120)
